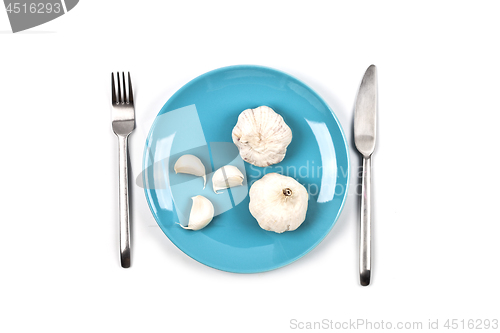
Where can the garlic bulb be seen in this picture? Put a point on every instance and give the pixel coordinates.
(279, 203)
(202, 212)
(192, 165)
(227, 176)
(262, 136)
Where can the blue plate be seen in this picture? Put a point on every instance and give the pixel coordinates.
(198, 119)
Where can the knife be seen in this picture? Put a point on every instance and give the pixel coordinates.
(365, 123)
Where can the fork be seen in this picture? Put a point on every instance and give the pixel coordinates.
(123, 122)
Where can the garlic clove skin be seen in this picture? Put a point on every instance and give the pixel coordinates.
(278, 203)
(202, 213)
(262, 136)
(227, 176)
(192, 165)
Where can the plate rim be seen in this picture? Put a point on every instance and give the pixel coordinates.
(346, 145)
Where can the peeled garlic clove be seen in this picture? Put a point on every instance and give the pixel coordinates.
(202, 212)
(278, 203)
(261, 136)
(192, 165)
(227, 176)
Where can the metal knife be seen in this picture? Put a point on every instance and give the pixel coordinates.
(365, 123)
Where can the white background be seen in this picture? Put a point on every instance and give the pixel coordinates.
(436, 224)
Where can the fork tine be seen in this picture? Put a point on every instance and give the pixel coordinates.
(124, 100)
(130, 92)
(113, 90)
(120, 99)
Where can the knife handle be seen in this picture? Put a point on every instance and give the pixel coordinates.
(365, 227)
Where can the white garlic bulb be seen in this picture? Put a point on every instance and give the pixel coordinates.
(278, 203)
(227, 176)
(192, 165)
(202, 212)
(261, 136)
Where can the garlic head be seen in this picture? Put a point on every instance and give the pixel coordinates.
(192, 165)
(227, 176)
(278, 203)
(202, 212)
(261, 136)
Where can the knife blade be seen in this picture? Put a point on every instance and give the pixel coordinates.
(365, 123)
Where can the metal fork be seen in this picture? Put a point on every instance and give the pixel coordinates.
(123, 121)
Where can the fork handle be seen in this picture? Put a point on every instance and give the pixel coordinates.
(124, 201)
(365, 226)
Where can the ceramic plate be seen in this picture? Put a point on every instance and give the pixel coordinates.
(198, 119)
